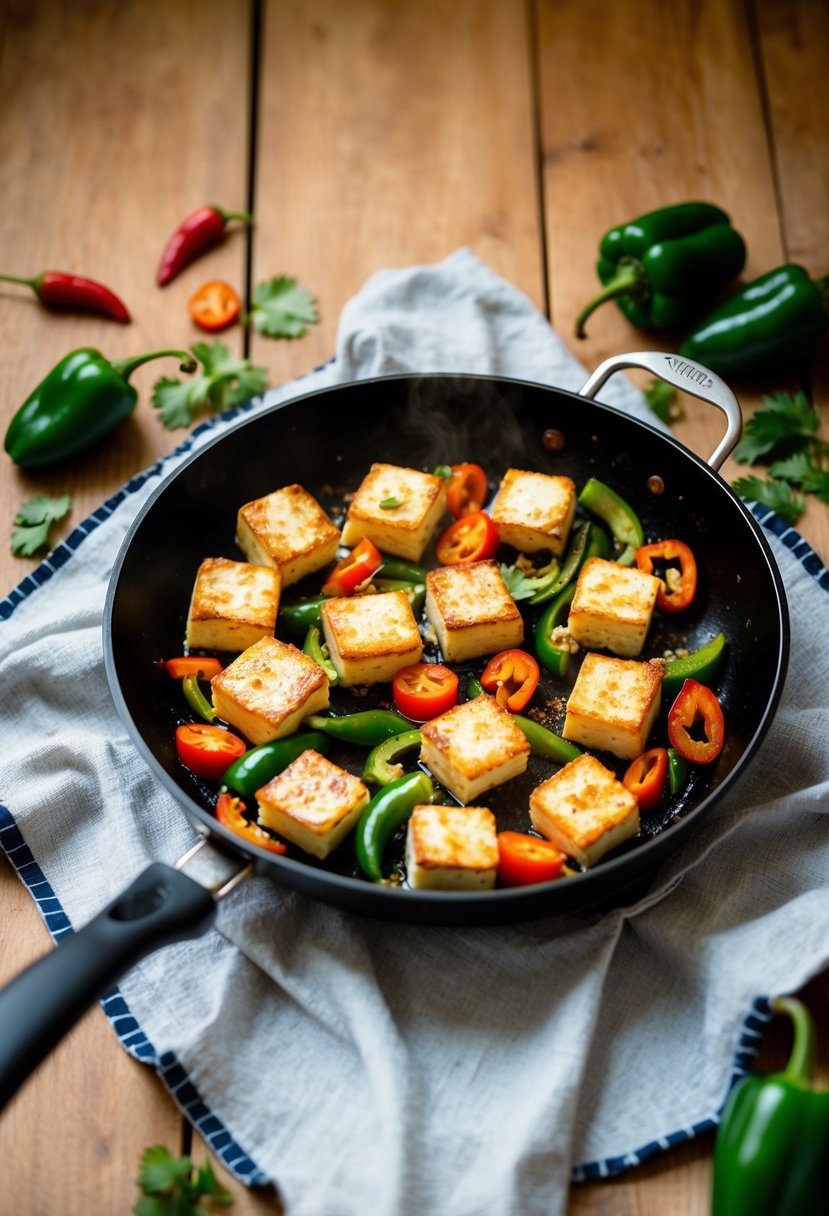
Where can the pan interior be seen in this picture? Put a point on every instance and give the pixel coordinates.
(327, 442)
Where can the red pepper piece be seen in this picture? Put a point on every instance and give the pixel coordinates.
(192, 665)
(57, 289)
(472, 538)
(200, 231)
(679, 583)
(230, 813)
(512, 676)
(646, 777)
(468, 489)
(696, 727)
(524, 859)
(354, 569)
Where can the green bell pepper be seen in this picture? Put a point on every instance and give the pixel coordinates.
(312, 646)
(772, 324)
(84, 397)
(701, 665)
(382, 763)
(771, 1154)
(668, 265)
(256, 767)
(388, 810)
(619, 516)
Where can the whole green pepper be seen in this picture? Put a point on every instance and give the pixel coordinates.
(388, 810)
(83, 398)
(774, 323)
(256, 767)
(771, 1154)
(668, 265)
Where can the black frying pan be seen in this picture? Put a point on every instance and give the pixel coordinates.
(327, 441)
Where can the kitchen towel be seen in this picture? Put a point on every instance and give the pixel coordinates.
(367, 1067)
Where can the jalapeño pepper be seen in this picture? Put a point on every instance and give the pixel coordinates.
(773, 323)
(668, 265)
(771, 1154)
(256, 767)
(83, 398)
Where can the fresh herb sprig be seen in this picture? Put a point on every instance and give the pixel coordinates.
(282, 308)
(224, 381)
(173, 1186)
(33, 523)
(782, 435)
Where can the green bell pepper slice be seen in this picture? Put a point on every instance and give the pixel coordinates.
(196, 699)
(296, 619)
(258, 765)
(543, 742)
(677, 771)
(771, 1153)
(312, 646)
(366, 728)
(382, 763)
(599, 499)
(387, 811)
(701, 665)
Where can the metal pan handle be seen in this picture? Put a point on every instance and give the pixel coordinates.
(690, 378)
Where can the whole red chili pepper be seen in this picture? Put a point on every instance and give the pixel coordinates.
(56, 289)
(198, 232)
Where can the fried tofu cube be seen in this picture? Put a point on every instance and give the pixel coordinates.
(534, 511)
(613, 704)
(313, 803)
(612, 607)
(269, 689)
(473, 747)
(370, 637)
(288, 529)
(472, 611)
(451, 848)
(584, 810)
(233, 605)
(405, 528)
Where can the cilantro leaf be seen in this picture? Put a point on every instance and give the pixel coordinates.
(785, 423)
(161, 1172)
(801, 470)
(523, 586)
(225, 381)
(662, 398)
(172, 1186)
(779, 496)
(282, 308)
(33, 521)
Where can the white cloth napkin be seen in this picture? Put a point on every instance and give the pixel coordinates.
(386, 1069)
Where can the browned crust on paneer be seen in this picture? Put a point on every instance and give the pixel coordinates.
(581, 804)
(595, 668)
(381, 482)
(255, 680)
(300, 511)
(487, 732)
(368, 626)
(212, 601)
(452, 837)
(483, 583)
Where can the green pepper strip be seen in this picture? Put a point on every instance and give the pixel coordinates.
(677, 771)
(702, 665)
(773, 1140)
(416, 591)
(572, 561)
(312, 646)
(255, 769)
(297, 619)
(554, 658)
(381, 765)
(388, 810)
(400, 571)
(543, 742)
(366, 729)
(619, 516)
(196, 699)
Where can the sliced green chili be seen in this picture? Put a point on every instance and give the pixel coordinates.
(677, 771)
(396, 568)
(550, 655)
(619, 516)
(573, 560)
(255, 769)
(702, 665)
(313, 647)
(366, 728)
(543, 742)
(298, 618)
(381, 766)
(415, 591)
(196, 699)
(388, 810)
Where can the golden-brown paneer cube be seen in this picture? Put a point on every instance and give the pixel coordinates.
(313, 803)
(612, 607)
(451, 848)
(371, 637)
(473, 747)
(414, 501)
(269, 689)
(233, 605)
(534, 511)
(584, 810)
(472, 611)
(288, 529)
(613, 704)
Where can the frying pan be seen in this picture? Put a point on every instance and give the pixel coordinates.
(326, 441)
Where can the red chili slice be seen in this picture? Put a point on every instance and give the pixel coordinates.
(472, 538)
(354, 569)
(192, 665)
(513, 676)
(678, 574)
(425, 690)
(524, 859)
(230, 813)
(207, 750)
(214, 306)
(696, 726)
(468, 489)
(646, 777)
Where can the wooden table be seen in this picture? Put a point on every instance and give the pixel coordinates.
(363, 134)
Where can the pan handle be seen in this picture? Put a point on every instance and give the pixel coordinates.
(44, 1002)
(690, 378)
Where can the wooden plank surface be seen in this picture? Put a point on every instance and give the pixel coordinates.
(388, 134)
